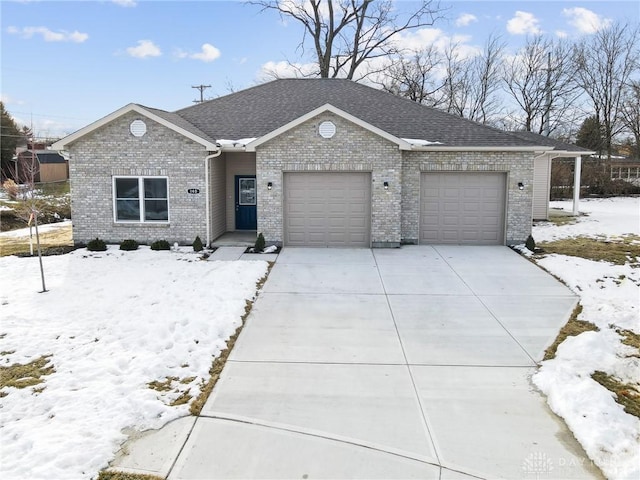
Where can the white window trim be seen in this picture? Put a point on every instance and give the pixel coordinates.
(140, 179)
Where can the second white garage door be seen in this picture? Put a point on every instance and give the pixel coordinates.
(327, 209)
(462, 208)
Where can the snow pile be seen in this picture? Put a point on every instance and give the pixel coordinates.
(112, 322)
(604, 217)
(610, 296)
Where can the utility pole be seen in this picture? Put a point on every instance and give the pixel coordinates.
(202, 88)
(546, 118)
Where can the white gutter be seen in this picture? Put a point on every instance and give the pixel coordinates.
(207, 193)
(436, 148)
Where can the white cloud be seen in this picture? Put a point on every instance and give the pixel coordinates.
(436, 38)
(523, 23)
(125, 3)
(283, 69)
(49, 35)
(585, 20)
(465, 19)
(561, 34)
(145, 48)
(208, 54)
(7, 100)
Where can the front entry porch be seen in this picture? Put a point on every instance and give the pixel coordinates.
(239, 238)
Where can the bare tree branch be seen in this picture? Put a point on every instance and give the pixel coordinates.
(540, 78)
(347, 33)
(605, 64)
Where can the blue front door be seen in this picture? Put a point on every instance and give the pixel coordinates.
(246, 214)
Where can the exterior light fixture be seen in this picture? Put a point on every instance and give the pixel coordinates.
(520, 186)
(269, 186)
(386, 185)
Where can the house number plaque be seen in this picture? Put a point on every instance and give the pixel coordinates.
(193, 190)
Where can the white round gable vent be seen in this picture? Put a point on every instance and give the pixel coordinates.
(327, 129)
(138, 128)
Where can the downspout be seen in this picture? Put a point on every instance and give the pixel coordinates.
(207, 193)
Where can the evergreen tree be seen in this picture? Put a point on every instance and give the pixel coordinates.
(10, 135)
(591, 135)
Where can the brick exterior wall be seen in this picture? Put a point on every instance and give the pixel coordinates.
(351, 149)
(112, 150)
(517, 165)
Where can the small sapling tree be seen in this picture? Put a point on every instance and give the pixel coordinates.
(29, 205)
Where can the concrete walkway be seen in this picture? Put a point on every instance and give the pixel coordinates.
(399, 363)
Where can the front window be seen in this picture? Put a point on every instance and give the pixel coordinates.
(141, 199)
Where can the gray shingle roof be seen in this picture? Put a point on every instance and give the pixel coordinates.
(44, 156)
(178, 121)
(259, 110)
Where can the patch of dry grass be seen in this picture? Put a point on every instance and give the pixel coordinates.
(561, 219)
(162, 386)
(115, 475)
(630, 338)
(626, 394)
(168, 385)
(626, 249)
(61, 237)
(26, 375)
(572, 328)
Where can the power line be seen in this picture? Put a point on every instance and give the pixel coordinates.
(202, 88)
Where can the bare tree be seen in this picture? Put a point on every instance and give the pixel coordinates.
(630, 113)
(605, 63)
(347, 33)
(416, 76)
(28, 207)
(472, 83)
(540, 79)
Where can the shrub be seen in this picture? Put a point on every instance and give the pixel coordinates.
(129, 245)
(96, 245)
(197, 245)
(160, 245)
(530, 243)
(259, 245)
(11, 188)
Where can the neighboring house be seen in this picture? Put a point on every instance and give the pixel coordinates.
(307, 162)
(48, 166)
(627, 169)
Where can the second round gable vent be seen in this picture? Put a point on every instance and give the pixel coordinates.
(138, 128)
(327, 129)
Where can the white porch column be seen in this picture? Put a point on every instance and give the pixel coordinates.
(576, 184)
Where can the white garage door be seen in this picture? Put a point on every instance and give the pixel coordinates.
(462, 208)
(327, 209)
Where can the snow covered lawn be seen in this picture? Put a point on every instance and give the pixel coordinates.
(112, 322)
(610, 296)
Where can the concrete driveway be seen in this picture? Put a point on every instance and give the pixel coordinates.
(399, 363)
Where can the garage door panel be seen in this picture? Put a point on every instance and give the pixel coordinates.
(462, 208)
(327, 209)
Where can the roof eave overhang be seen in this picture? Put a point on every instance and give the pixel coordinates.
(551, 154)
(443, 148)
(327, 107)
(132, 107)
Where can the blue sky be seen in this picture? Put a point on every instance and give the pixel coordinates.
(65, 64)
